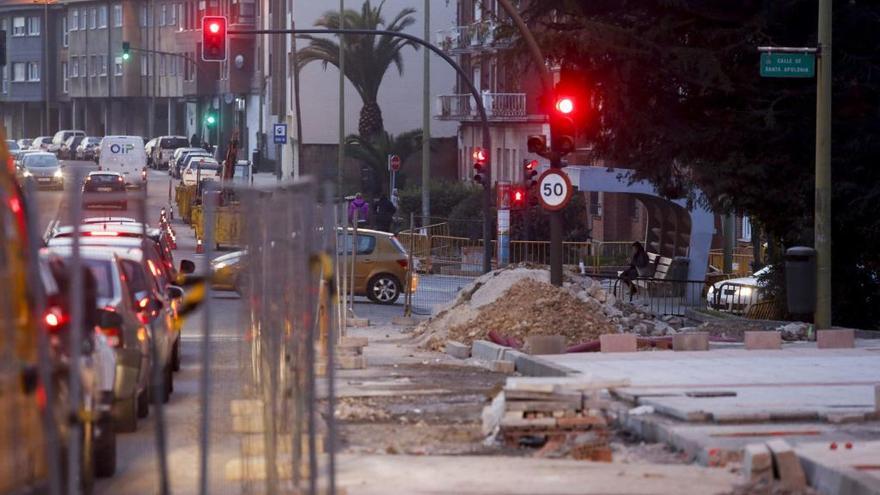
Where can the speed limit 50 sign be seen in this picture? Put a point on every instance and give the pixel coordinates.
(554, 189)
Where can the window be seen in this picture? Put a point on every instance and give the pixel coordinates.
(65, 34)
(162, 13)
(19, 72)
(595, 204)
(103, 61)
(64, 76)
(82, 19)
(117, 15)
(18, 28)
(746, 229)
(144, 66)
(117, 66)
(33, 26)
(162, 65)
(74, 67)
(172, 15)
(33, 71)
(102, 16)
(4, 74)
(142, 16)
(74, 19)
(93, 66)
(93, 18)
(366, 244)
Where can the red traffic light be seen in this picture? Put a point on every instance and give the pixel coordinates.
(531, 165)
(564, 105)
(214, 39)
(480, 156)
(518, 196)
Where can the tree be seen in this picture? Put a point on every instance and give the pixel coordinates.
(367, 58)
(373, 154)
(676, 96)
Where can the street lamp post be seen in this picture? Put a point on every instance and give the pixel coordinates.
(44, 70)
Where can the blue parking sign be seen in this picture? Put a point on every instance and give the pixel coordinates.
(279, 132)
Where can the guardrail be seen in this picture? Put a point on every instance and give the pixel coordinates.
(499, 106)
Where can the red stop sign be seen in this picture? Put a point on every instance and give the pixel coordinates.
(394, 162)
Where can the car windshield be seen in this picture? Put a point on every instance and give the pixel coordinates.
(92, 140)
(173, 143)
(40, 161)
(209, 166)
(104, 178)
(12, 145)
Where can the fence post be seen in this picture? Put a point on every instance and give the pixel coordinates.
(354, 250)
(407, 306)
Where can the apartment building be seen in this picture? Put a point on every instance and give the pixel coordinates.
(512, 101)
(27, 87)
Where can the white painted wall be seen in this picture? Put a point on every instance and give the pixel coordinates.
(400, 97)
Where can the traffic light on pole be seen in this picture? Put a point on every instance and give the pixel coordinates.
(530, 171)
(562, 127)
(126, 50)
(210, 119)
(481, 159)
(214, 38)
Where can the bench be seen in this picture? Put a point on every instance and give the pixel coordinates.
(658, 271)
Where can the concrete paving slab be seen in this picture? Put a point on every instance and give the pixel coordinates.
(788, 384)
(854, 471)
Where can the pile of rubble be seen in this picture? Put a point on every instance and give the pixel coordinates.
(519, 302)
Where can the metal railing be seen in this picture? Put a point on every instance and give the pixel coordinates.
(659, 296)
(478, 36)
(499, 106)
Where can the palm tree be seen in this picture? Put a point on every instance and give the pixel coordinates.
(367, 58)
(373, 153)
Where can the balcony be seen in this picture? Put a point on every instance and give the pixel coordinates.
(499, 107)
(476, 37)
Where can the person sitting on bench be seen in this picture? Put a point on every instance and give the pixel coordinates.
(638, 267)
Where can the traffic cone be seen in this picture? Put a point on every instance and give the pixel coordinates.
(199, 247)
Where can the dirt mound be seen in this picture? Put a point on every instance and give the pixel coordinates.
(530, 307)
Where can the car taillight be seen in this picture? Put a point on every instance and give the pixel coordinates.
(113, 336)
(144, 302)
(101, 233)
(403, 263)
(144, 174)
(54, 319)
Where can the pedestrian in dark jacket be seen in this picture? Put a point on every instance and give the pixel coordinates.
(384, 210)
(362, 208)
(638, 267)
(195, 142)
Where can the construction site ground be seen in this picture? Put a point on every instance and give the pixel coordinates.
(412, 421)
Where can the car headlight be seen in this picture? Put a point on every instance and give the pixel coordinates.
(27, 173)
(220, 265)
(58, 174)
(745, 292)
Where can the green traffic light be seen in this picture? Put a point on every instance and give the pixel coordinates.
(125, 56)
(210, 120)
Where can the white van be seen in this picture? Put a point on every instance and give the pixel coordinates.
(126, 155)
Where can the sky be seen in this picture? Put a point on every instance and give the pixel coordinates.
(400, 97)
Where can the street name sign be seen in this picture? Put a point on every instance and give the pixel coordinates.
(788, 65)
(279, 133)
(554, 190)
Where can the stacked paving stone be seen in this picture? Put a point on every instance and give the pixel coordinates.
(566, 418)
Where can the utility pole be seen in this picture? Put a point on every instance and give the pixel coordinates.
(340, 153)
(822, 216)
(426, 125)
(111, 70)
(45, 71)
(279, 80)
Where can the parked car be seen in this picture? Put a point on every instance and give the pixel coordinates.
(379, 272)
(68, 148)
(149, 146)
(199, 169)
(13, 148)
(126, 155)
(177, 155)
(164, 150)
(100, 184)
(41, 143)
(59, 139)
(88, 149)
(24, 143)
(43, 168)
(736, 295)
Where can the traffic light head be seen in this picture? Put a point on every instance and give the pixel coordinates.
(537, 144)
(564, 105)
(214, 38)
(530, 171)
(562, 127)
(210, 119)
(126, 50)
(481, 158)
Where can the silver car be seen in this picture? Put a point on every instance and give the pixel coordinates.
(736, 295)
(44, 169)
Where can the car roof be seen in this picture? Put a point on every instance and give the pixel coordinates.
(368, 231)
(107, 219)
(41, 153)
(104, 172)
(125, 252)
(129, 229)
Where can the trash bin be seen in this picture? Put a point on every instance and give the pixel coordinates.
(800, 280)
(256, 160)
